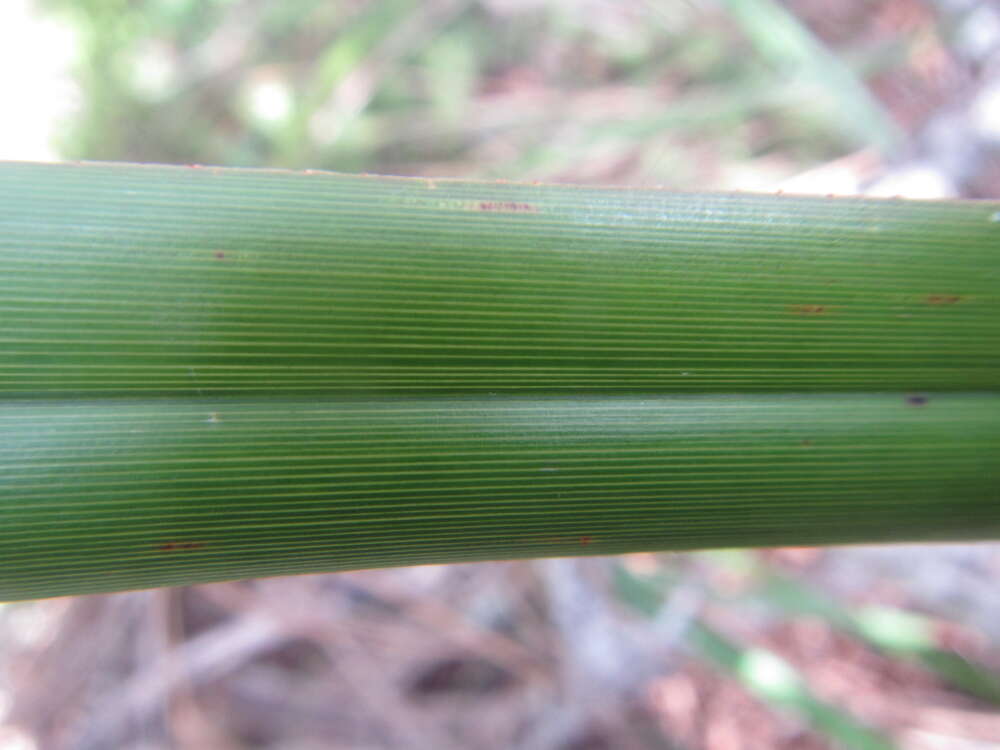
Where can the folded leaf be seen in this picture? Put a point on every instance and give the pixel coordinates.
(209, 374)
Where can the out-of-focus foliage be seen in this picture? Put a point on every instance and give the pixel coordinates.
(589, 90)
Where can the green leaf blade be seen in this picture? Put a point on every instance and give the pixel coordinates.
(210, 374)
(143, 492)
(171, 281)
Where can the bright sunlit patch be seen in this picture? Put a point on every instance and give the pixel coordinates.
(986, 112)
(769, 674)
(31, 624)
(979, 32)
(918, 181)
(38, 92)
(268, 98)
(15, 739)
(154, 71)
(895, 629)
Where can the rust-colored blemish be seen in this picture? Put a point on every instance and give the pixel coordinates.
(507, 207)
(177, 546)
(806, 443)
(916, 400)
(585, 540)
(809, 309)
(220, 255)
(942, 299)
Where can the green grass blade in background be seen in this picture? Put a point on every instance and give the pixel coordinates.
(761, 671)
(895, 631)
(775, 681)
(787, 43)
(909, 635)
(210, 374)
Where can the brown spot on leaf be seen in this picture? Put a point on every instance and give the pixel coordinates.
(178, 546)
(807, 443)
(585, 540)
(507, 207)
(809, 309)
(220, 255)
(916, 400)
(942, 299)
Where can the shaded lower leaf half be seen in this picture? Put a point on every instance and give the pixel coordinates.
(123, 493)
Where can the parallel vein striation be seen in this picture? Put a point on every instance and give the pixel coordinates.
(210, 374)
(156, 281)
(196, 489)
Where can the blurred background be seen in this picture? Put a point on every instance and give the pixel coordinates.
(869, 647)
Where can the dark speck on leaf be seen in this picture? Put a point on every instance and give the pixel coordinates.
(809, 309)
(176, 546)
(916, 400)
(220, 255)
(507, 207)
(942, 299)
